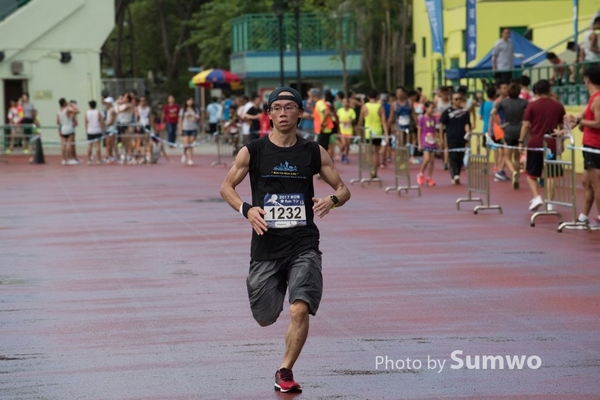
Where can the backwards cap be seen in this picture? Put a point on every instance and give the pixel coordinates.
(276, 95)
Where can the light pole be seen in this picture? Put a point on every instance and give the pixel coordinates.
(279, 8)
(296, 5)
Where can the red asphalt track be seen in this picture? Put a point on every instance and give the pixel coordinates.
(128, 282)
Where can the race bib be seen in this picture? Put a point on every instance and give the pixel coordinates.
(347, 125)
(403, 120)
(285, 210)
(430, 139)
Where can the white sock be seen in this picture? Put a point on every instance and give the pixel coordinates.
(582, 217)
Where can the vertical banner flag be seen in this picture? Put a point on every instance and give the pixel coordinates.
(472, 30)
(436, 22)
(575, 25)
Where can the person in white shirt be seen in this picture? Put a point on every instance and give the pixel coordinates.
(64, 119)
(242, 111)
(94, 126)
(144, 124)
(110, 121)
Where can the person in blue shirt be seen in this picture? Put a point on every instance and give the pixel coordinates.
(486, 108)
(214, 112)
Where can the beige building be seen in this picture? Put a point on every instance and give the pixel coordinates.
(51, 49)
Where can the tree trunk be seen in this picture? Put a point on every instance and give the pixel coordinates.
(388, 48)
(405, 18)
(131, 43)
(119, 19)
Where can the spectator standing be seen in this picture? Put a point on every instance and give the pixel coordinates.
(188, 128)
(502, 56)
(214, 111)
(15, 115)
(253, 117)
(94, 126)
(64, 119)
(29, 114)
(170, 118)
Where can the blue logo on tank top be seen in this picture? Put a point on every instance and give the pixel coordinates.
(285, 167)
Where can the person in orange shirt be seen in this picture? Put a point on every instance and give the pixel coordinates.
(323, 120)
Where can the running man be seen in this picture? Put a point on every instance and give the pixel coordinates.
(373, 116)
(541, 117)
(346, 116)
(404, 115)
(513, 109)
(589, 122)
(285, 240)
(457, 125)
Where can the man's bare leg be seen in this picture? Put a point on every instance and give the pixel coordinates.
(296, 333)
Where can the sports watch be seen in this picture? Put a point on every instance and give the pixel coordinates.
(334, 200)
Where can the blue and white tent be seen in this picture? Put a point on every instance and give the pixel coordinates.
(531, 53)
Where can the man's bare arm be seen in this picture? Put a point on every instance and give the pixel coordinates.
(235, 176)
(330, 175)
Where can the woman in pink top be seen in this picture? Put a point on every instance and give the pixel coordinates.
(427, 141)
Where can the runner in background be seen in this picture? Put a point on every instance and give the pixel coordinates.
(427, 142)
(457, 125)
(375, 124)
(307, 124)
(64, 119)
(346, 117)
(387, 110)
(323, 121)
(541, 117)
(402, 116)
(513, 109)
(498, 122)
(589, 122)
(441, 102)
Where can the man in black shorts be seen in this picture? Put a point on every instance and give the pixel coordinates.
(589, 122)
(285, 240)
(457, 124)
(542, 116)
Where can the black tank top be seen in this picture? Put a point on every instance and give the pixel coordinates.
(287, 173)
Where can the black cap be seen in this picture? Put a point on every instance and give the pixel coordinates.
(276, 95)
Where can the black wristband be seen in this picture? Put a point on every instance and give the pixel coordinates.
(245, 208)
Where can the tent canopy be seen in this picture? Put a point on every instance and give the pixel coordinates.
(523, 49)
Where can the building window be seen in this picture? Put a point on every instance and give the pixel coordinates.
(424, 47)
(464, 40)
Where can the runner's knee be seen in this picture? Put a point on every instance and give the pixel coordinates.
(299, 310)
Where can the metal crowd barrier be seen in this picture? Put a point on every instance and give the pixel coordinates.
(559, 185)
(402, 168)
(227, 148)
(365, 159)
(478, 176)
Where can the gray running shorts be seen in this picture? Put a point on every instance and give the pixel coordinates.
(268, 280)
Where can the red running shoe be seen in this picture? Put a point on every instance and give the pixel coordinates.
(284, 382)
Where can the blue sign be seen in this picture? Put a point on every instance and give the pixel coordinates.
(575, 24)
(472, 30)
(436, 22)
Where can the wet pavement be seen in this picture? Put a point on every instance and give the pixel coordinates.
(128, 282)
